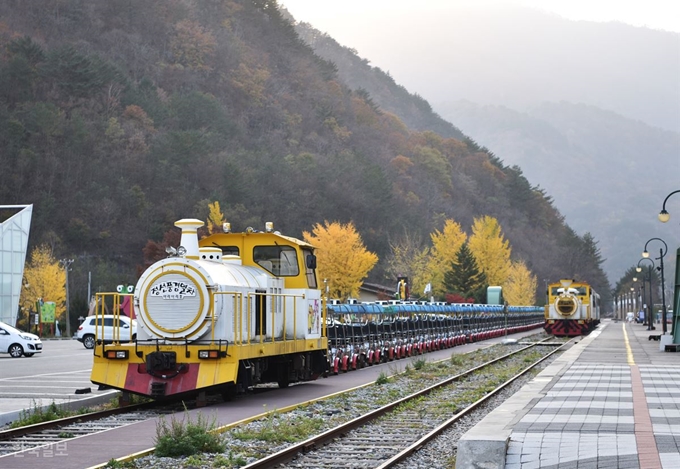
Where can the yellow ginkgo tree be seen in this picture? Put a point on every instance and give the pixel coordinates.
(491, 249)
(520, 287)
(342, 259)
(215, 218)
(45, 280)
(445, 246)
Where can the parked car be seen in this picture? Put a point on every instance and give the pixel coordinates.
(91, 329)
(18, 343)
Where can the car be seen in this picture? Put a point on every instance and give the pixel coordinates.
(90, 331)
(18, 343)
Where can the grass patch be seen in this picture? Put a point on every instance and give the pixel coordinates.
(277, 428)
(186, 437)
(229, 461)
(456, 359)
(382, 379)
(113, 464)
(419, 364)
(36, 414)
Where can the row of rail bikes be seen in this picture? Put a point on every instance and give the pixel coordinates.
(361, 334)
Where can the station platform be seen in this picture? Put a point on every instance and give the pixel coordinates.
(611, 401)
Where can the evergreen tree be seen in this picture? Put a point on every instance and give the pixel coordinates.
(464, 277)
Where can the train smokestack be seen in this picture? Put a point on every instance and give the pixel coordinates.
(189, 240)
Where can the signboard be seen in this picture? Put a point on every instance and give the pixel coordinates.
(48, 311)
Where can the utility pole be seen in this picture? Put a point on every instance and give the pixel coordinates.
(66, 264)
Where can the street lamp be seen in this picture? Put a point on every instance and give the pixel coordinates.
(664, 216)
(635, 298)
(633, 305)
(648, 277)
(66, 264)
(662, 253)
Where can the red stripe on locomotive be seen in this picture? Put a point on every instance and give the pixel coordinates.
(139, 381)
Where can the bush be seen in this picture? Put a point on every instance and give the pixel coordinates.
(185, 437)
(419, 364)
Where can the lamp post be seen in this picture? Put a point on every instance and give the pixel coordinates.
(633, 299)
(664, 216)
(66, 264)
(662, 253)
(647, 277)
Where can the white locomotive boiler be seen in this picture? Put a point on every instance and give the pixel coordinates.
(226, 312)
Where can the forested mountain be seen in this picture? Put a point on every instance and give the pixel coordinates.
(120, 117)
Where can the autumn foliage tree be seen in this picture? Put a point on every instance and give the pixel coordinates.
(520, 287)
(44, 279)
(342, 258)
(490, 249)
(215, 218)
(192, 45)
(445, 246)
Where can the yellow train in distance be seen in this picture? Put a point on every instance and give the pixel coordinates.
(223, 313)
(572, 308)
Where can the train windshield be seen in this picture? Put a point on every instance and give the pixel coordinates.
(279, 260)
(580, 291)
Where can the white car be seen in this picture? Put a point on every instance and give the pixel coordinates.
(18, 343)
(90, 331)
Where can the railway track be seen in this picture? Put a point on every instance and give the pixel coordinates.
(54, 431)
(29, 437)
(386, 436)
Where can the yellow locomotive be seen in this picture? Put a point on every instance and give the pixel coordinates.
(572, 308)
(224, 313)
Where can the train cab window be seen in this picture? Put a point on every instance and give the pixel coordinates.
(310, 267)
(230, 251)
(278, 260)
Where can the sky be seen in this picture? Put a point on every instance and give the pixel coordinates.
(333, 16)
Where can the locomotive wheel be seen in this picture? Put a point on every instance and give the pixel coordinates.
(284, 378)
(228, 392)
(283, 382)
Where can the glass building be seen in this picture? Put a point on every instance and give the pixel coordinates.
(13, 244)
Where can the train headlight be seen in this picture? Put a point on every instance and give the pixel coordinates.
(117, 354)
(209, 354)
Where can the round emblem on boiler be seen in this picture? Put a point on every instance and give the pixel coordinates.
(566, 305)
(174, 300)
(170, 290)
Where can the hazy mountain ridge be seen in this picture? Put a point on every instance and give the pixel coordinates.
(606, 172)
(621, 168)
(519, 57)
